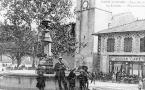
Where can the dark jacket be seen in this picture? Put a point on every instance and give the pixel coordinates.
(71, 79)
(40, 81)
(82, 79)
(59, 68)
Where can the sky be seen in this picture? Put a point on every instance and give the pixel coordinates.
(136, 7)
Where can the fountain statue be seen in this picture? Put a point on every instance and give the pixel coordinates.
(46, 64)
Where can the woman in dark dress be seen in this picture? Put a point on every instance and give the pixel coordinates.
(40, 81)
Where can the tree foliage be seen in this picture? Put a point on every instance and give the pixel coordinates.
(38, 10)
(20, 16)
(64, 40)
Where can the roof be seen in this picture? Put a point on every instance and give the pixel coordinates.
(138, 25)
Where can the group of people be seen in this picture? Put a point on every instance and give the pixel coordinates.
(68, 82)
(124, 77)
(100, 76)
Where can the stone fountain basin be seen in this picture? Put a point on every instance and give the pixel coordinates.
(26, 81)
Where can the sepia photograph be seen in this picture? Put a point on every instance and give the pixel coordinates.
(72, 44)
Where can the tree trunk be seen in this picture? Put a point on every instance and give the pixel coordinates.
(33, 57)
(18, 61)
(13, 59)
(33, 63)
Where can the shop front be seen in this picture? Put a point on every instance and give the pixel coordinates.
(129, 64)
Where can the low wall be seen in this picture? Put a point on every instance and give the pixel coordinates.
(25, 82)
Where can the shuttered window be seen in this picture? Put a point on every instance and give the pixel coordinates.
(110, 44)
(127, 44)
(142, 44)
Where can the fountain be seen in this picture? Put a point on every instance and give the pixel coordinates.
(27, 81)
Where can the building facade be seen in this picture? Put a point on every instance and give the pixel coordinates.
(122, 48)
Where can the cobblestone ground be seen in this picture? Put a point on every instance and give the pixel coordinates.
(97, 86)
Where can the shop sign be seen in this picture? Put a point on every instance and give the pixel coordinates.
(142, 59)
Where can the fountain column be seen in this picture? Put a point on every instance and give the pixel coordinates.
(47, 43)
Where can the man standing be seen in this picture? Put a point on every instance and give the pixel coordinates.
(60, 73)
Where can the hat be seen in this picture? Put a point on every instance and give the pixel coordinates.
(60, 57)
(81, 70)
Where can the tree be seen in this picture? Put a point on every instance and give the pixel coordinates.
(38, 10)
(21, 14)
(23, 39)
(63, 39)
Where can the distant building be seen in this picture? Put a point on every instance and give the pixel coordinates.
(5, 62)
(122, 48)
